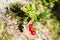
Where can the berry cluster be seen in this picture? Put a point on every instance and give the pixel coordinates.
(31, 29)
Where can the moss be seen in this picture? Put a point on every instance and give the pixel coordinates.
(5, 36)
(1, 23)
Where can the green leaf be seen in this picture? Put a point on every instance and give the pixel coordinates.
(31, 10)
(44, 15)
(51, 4)
(33, 6)
(28, 7)
(58, 31)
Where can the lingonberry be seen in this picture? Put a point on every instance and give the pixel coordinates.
(33, 32)
(30, 25)
(31, 29)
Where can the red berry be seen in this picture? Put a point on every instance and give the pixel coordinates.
(33, 32)
(31, 29)
(30, 25)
